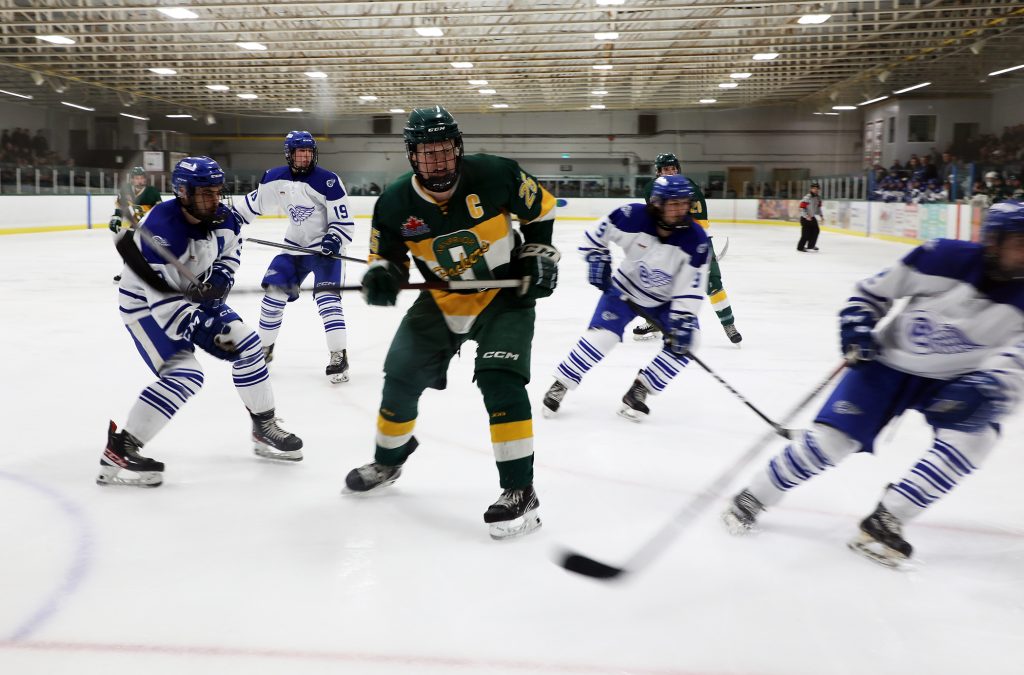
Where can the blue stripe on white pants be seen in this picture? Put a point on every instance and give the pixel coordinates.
(809, 453)
(249, 372)
(333, 317)
(954, 455)
(180, 378)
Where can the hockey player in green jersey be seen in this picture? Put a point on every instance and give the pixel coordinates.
(453, 214)
(142, 198)
(666, 164)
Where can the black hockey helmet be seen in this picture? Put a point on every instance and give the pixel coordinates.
(666, 159)
(433, 125)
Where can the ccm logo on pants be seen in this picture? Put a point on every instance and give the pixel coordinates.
(501, 355)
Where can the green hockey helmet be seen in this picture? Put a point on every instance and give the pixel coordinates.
(666, 159)
(434, 125)
(136, 171)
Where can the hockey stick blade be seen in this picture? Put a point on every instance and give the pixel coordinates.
(588, 567)
(720, 255)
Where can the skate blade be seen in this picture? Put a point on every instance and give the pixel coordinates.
(111, 475)
(631, 415)
(736, 527)
(267, 452)
(338, 378)
(646, 337)
(548, 412)
(875, 551)
(517, 527)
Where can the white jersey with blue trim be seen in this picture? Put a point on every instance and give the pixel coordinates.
(956, 321)
(315, 203)
(654, 271)
(198, 248)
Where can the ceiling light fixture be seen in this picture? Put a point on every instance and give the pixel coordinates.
(740, 76)
(293, 109)
(488, 92)
(163, 71)
(1005, 70)
(728, 85)
(430, 31)
(610, 2)
(135, 117)
(56, 39)
(316, 75)
(11, 93)
(612, 35)
(178, 12)
(218, 87)
(478, 83)
(396, 110)
(602, 67)
(248, 97)
(599, 92)
(597, 106)
(499, 105)
(461, 64)
(75, 105)
(916, 86)
(252, 46)
(873, 100)
(814, 18)
(179, 116)
(766, 56)
(368, 97)
(709, 100)
(844, 107)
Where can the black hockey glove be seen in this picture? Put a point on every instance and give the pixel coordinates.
(216, 287)
(381, 283)
(210, 333)
(115, 224)
(539, 264)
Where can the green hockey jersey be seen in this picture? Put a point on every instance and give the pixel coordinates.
(468, 237)
(141, 201)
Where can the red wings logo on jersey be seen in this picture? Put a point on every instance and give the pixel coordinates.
(414, 227)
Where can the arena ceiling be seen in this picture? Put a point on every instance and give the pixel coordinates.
(534, 55)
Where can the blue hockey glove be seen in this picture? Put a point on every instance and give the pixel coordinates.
(681, 329)
(855, 338)
(216, 287)
(539, 264)
(330, 245)
(968, 403)
(381, 283)
(599, 268)
(209, 333)
(115, 224)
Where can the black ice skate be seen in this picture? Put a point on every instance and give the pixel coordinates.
(741, 516)
(375, 475)
(514, 514)
(881, 540)
(647, 331)
(337, 369)
(268, 354)
(734, 335)
(553, 398)
(633, 407)
(273, 442)
(122, 454)
(117, 279)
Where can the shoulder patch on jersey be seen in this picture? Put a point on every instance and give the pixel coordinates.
(330, 183)
(414, 227)
(299, 213)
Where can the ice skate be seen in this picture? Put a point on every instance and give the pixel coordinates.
(633, 407)
(122, 454)
(647, 331)
(881, 540)
(268, 353)
(734, 335)
(117, 279)
(371, 476)
(337, 369)
(741, 516)
(273, 442)
(514, 514)
(553, 398)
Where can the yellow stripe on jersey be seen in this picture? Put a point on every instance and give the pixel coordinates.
(511, 431)
(463, 304)
(547, 207)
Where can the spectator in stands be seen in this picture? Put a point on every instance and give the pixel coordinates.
(1013, 186)
(40, 144)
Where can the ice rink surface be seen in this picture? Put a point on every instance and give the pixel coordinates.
(242, 565)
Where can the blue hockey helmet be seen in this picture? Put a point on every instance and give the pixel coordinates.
(667, 188)
(1003, 220)
(295, 140)
(197, 172)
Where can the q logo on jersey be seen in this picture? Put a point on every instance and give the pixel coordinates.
(652, 278)
(300, 213)
(924, 335)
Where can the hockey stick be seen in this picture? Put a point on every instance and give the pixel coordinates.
(720, 255)
(663, 538)
(300, 249)
(778, 428)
